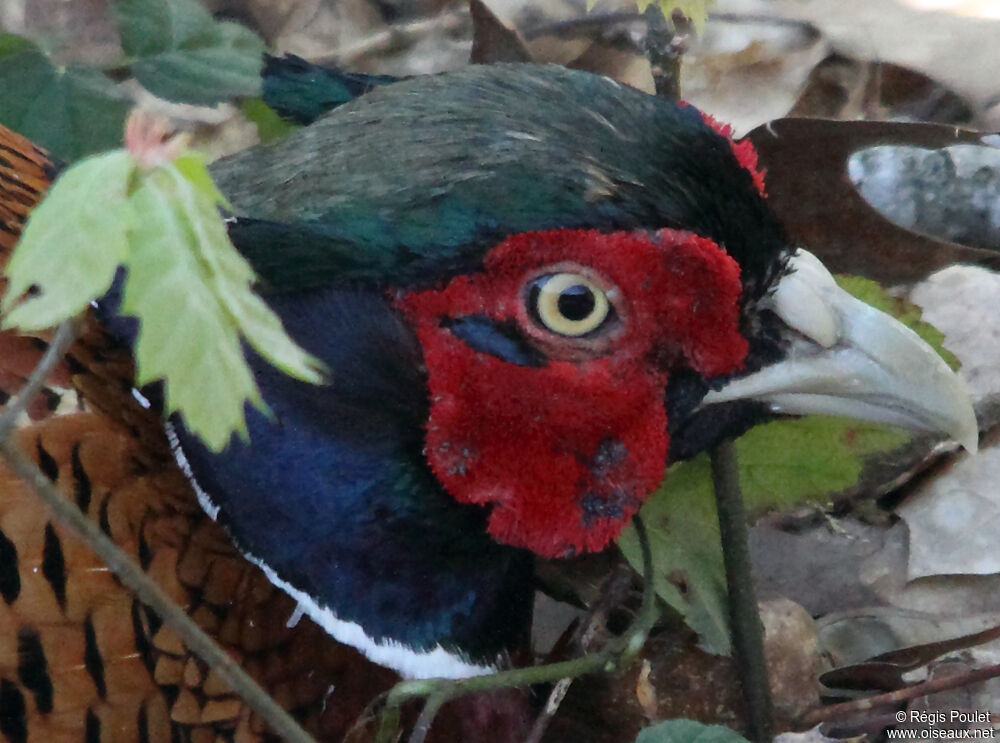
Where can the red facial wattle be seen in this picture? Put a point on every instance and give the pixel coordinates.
(566, 450)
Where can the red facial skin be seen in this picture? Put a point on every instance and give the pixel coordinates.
(566, 452)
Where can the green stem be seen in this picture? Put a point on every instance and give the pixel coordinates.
(617, 654)
(744, 615)
(664, 57)
(427, 715)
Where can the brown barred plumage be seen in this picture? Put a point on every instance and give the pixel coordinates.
(25, 173)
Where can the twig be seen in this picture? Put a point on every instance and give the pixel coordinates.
(846, 709)
(612, 593)
(663, 53)
(69, 516)
(747, 631)
(763, 18)
(582, 24)
(555, 699)
(61, 341)
(427, 714)
(618, 653)
(391, 37)
(600, 22)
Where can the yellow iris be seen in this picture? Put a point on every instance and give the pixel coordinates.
(570, 304)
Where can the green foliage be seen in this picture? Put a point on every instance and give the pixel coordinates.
(788, 462)
(781, 464)
(186, 283)
(72, 112)
(149, 28)
(687, 561)
(12, 43)
(269, 124)
(79, 247)
(688, 731)
(175, 49)
(183, 54)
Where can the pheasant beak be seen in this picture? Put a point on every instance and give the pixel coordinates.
(847, 358)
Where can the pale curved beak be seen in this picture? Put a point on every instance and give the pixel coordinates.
(847, 358)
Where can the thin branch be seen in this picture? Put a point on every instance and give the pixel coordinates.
(69, 516)
(601, 22)
(569, 27)
(427, 715)
(747, 630)
(764, 19)
(616, 654)
(391, 38)
(663, 50)
(847, 709)
(612, 593)
(545, 717)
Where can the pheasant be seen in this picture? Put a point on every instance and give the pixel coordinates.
(532, 287)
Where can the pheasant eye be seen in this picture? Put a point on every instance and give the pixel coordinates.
(568, 304)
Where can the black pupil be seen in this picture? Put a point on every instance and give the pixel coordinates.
(576, 303)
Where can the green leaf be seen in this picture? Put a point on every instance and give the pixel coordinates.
(687, 562)
(269, 124)
(192, 292)
(148, 27)
(781, 464)
(186, 283)
(71, 112)
(203, 76)
(72, 244)
(788, 462)
(230, 278)
(12, 43)
(194, 168)
(688, 731)
(183, 54)
(186, 337)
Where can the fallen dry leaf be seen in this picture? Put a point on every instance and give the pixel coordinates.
(492, 41)
(747, 70)
(809, 189)
(960, 301)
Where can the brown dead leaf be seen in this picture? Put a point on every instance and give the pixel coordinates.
(809, 189)
(526, 17)
(492, 41)
(841, 87)
(885, 672)
(624, 65)
(852, 638)
(960, 51)
(645, 692)
(601, 42)
(746, 70)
